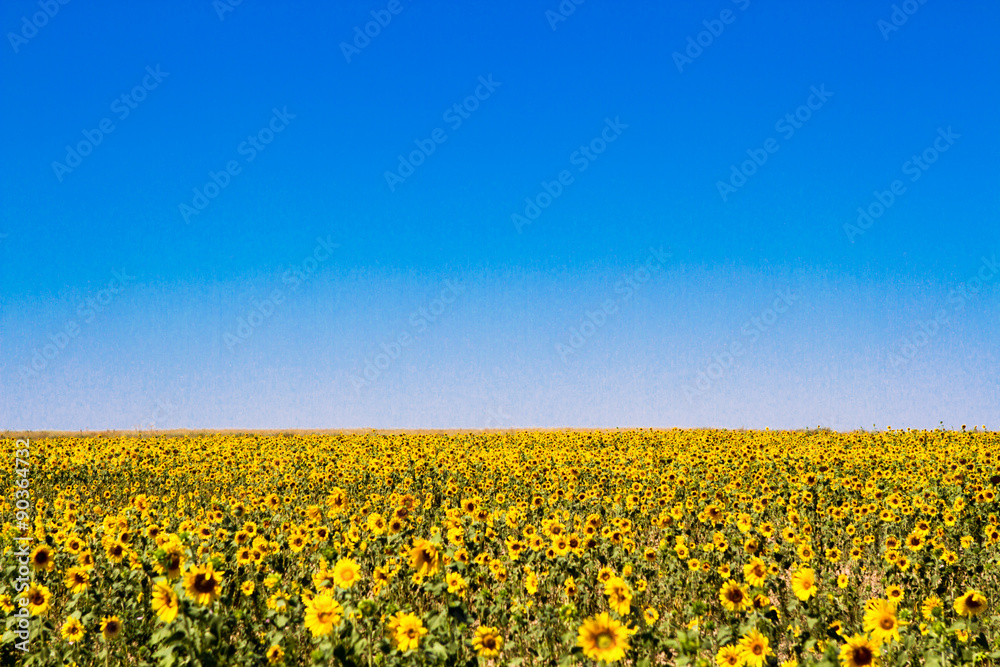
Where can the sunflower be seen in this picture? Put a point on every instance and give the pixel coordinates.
(346, 573)
(729, 656)
(487, 642)
(74, 544)
(203, 584)
(928, 607)
(880, 620)
(407, 630)
(171, 561)
(41, 559)
(570, 586)
(971, 603)
(248, 587)
(111, 627)
(275, 655)
(425, 557)
(376, 523)
(804, 583)
(77, 580)
(894, 594)
(619, 595)
(323, 615)
(755, 572)
(603, 638)
(72, 630)
(531, 583)
(115, 551)
(733, 596)
(754, 649)
(650, 615)
(859, 652)
(38, 599)
(164, 601)
(456, 584)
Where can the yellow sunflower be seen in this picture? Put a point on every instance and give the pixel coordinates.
(41, 559)
(203, 584)
(880, 620)
(111, 627)
(77, 580)
(859, 652)
(323, 615)
(754, 649)
(734, 596)
(407, 630)
(72, 630)
(603, 638)
(346, 573)
(164, 601)
(971, 603)
(38, 599)
(425, 558)
(275, 655)
(487, 642)
(755, 572)
(804, 583)
(619, 595)
(729, 656)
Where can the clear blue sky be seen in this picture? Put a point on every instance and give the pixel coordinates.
(633, 214)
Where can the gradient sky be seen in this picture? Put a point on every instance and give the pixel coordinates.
(892, 324)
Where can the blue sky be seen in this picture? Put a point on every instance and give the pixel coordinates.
(524, 215)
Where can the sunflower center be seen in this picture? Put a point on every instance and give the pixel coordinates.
(862, 656)
(757, 649)
(735, 595)
(887, 623)
(204, 584)
(324, 616)
(604, 640)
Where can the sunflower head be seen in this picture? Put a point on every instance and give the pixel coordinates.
(603, 638)
(111, 627)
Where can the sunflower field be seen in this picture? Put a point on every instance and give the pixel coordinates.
(678, 547)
